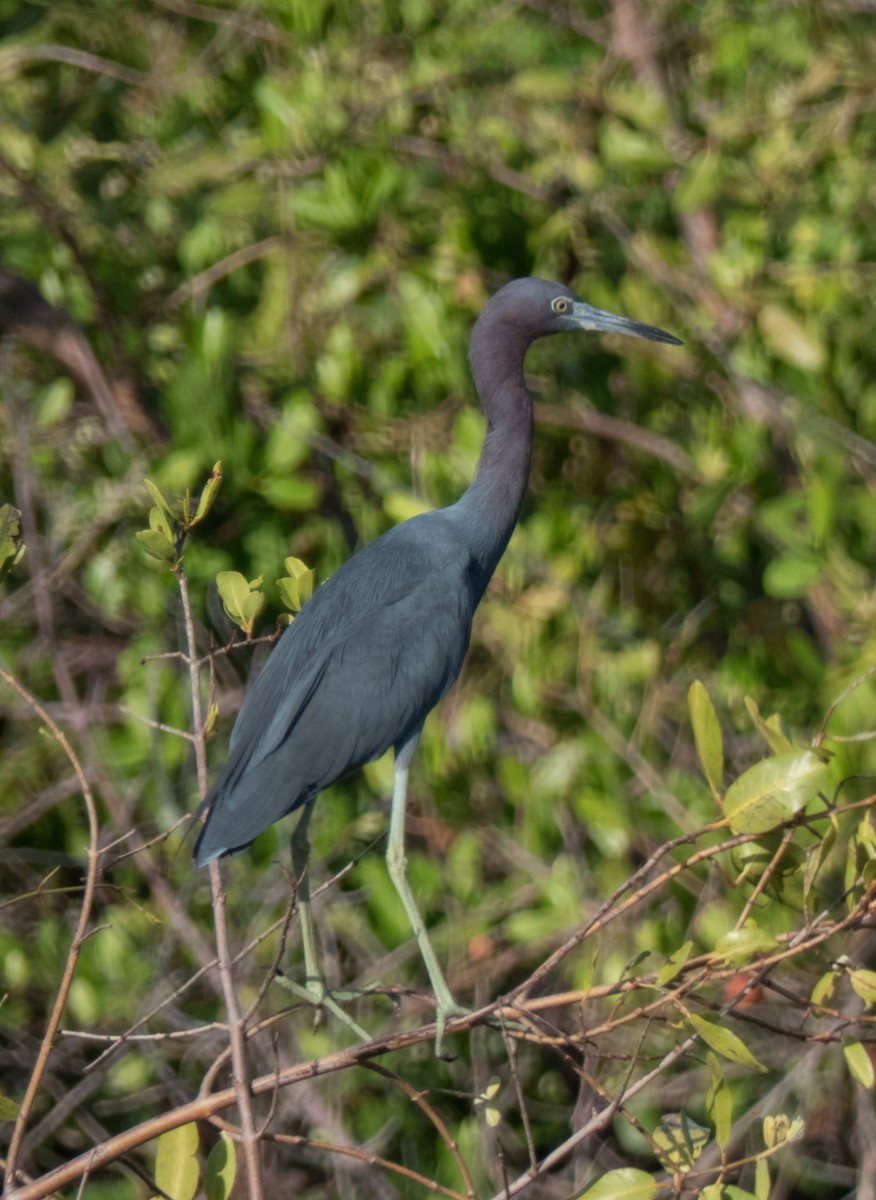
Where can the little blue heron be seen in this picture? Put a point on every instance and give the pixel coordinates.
(379, 644)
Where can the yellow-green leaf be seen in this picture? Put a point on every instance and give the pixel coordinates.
(209, 493)
(176, 1168)
(628, 1183)
(773, 791)
(770, 730)
(864, 983)
(707, 735)
(741, 945)
(159, 500)
(762, 1179)
(157, 545)
(674, 964)
(725, 1043)
(859, 1063)
(823, 990)
(221, 1169)
(239, 597)
(400, 506)
(789, 340)
(297, 587)
(719, 1101)
(679, 1141)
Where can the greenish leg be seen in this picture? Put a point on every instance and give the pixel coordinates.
(314, 990)
(396, 863)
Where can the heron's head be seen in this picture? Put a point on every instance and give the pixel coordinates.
(538, 307)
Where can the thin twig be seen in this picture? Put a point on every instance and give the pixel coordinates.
(239, 1074)
(78, 938)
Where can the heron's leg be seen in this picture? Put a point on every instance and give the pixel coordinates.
(396, 863)
(314, 990)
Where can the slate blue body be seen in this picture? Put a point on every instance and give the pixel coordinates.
(380, 643)
(370, 654)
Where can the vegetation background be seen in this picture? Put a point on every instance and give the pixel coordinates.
(260, 233)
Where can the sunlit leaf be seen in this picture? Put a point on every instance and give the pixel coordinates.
(864, 983)
(674, 964)
(679, 1141)
(719, 1101)
(773, 791)
(741, 945)
(176, 1167)
(860, 1063)
(770, 730)
(707, 735)
(627, 1183)
(789, 339)
(221, 1169)
(724, 1042)
(209, 493)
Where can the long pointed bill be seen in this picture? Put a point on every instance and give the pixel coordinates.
(596, 319)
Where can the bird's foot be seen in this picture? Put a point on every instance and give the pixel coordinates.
(445, 1010)
(315, 992)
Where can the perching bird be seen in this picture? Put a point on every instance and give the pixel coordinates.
(379, 644)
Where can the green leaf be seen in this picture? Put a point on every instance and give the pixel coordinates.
(824, 989)
(11, 545)
(707, 735)
(773, 791)
(628, 1183)
(674, 964)
(679, 1141)
(719, 1101)
(240, 598)
(400, 506)
(209, 493)
(789, 340)
(790, 575)
(723, 1042)
(297, 587)
(860, 1063)
(159, 500)
(815, 859)
(9, 1108)
(864, 983)
(741, 945)
(176, 1168)
(221, 1169)
(770, 730)
(157, 545)
(700, 183)
(762, 1179)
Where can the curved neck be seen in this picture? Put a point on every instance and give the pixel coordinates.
(491, 505)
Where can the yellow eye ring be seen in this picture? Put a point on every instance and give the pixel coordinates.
(560, 305)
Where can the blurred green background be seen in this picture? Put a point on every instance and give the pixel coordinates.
(264, 231)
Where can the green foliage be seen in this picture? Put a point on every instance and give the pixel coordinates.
(264, 232)
(176, 1168)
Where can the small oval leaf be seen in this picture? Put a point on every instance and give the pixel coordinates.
(741, 945)
(725, 1043)
(221, 1169)
(773, 791)
(176, 1168)
(628, 1183)
(864, 983)
(674, 964)
(860, 1063)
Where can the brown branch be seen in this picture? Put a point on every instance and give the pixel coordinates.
(239, 1072)
(78, 938)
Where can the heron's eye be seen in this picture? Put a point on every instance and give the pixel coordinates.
(560, 305)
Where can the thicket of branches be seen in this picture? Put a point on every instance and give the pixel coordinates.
(641, 825)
